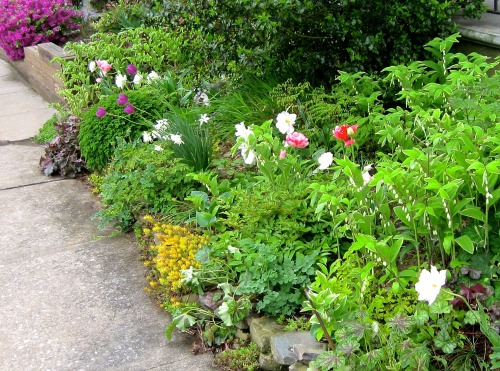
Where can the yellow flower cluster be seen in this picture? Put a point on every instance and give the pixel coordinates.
(173, 251)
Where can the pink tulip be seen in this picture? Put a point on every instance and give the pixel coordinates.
(283, 153)
(297, 140)
(346, 133)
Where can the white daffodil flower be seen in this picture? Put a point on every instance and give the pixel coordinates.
(204, 119)
(176, 138)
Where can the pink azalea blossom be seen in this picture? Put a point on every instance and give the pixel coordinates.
(297, 140)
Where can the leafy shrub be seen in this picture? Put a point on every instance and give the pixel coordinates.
(141, 180)
(122, 16)
(31, 22)
(312, 40)
(99, 135)
(62, 155)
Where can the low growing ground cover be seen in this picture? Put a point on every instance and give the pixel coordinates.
(367, 206)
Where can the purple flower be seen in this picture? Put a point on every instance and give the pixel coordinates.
(122, 99)
(131, 69)
(101, 112)
(129, 109)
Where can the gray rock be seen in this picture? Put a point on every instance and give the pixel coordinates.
(267, 362)
(298, 366)
(282, 345)
(308, 353)
(261, 331)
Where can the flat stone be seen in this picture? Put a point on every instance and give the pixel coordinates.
(268, 363)
(261, 331)
(298, 366)
(282, 345)
(308, 353)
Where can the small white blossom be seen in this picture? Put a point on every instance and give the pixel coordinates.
(120, 80)
(161, 124)
(92, 66)
(146, 137)
(158, 148)
(153, 76)
(325, 160)
(204, 119)
(138, 79)
(233, 249)
(429, 284)
(242, 131)
(285, 122)
(248, 155)
(176, 138)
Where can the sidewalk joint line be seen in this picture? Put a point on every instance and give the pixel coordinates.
(33, 184)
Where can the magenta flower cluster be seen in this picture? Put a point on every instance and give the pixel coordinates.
(30, 22)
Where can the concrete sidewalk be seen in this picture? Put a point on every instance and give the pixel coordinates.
(71, 298)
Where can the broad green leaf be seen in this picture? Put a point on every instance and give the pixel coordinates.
(473, 212)
(465, 243)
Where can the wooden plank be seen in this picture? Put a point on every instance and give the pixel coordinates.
(48, 51)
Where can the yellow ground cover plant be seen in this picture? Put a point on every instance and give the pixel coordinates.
(171, 250)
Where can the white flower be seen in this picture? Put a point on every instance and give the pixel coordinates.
(158, 148)
(138, 79)
(429, 284)
(366, 175)
(156, 135)
(248, 155)
(146, 137)
(242, 131)
(153, 76)
(285, 122)
(202, 98)
(325, 160)
(120, 80)
(233, 249)
(161, 124)
(92, 66)
(176, 138)
(204, 119)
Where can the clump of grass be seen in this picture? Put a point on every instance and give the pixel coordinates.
(47, 132)
(243, 358)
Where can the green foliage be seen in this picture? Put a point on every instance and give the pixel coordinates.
(62, 154)
(149, 49)
(122, 16)
(310, 40)
(47, 132)
(99, 135)
(141, 180)
(245, 357)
